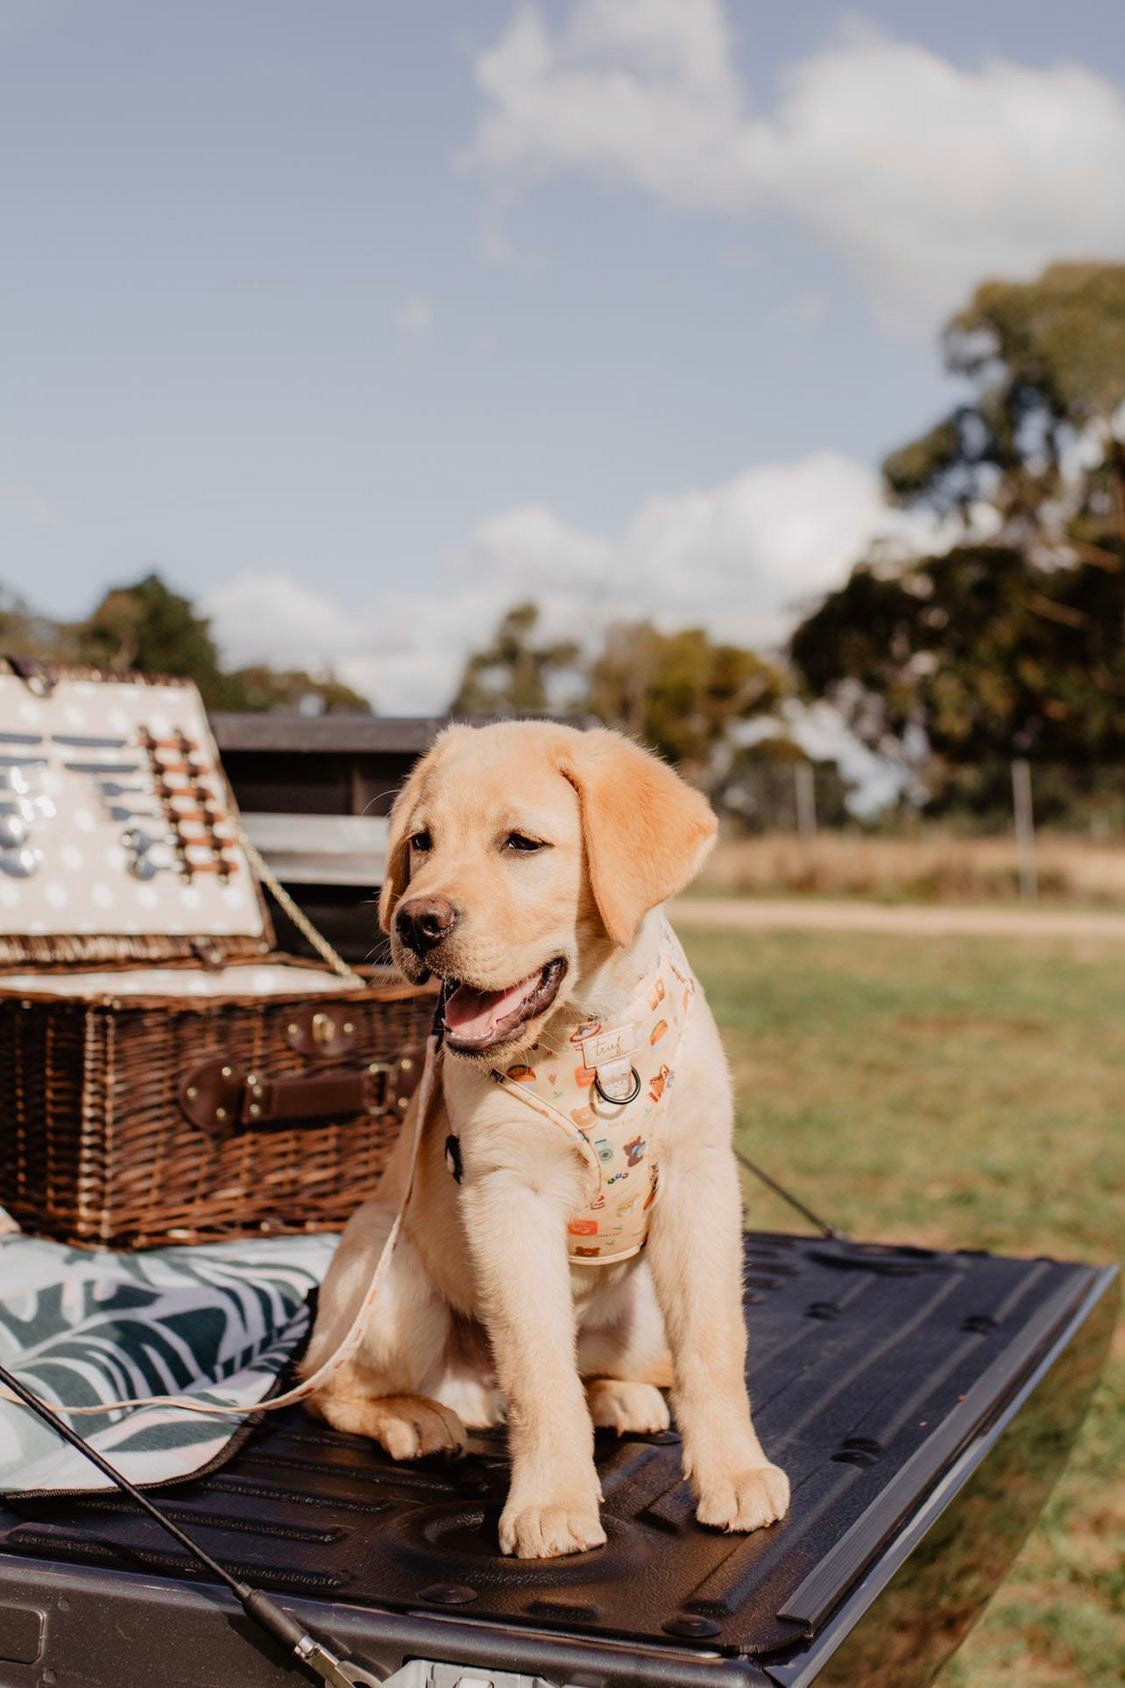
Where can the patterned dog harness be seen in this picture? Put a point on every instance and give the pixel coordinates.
(605, 1089)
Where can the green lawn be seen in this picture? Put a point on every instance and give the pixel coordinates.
(962, 1092)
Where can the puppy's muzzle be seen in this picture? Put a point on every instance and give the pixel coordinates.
(424, 922)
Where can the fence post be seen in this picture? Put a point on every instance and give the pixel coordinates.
(1025, 828)
(804, 782)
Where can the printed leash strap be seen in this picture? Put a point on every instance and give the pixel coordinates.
(354, 1335)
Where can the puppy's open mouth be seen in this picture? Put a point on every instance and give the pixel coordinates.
(477, 1021)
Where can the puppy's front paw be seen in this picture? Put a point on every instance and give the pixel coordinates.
(746, 1500)
(412, 1426)
(550, 1530)
(626, 1407)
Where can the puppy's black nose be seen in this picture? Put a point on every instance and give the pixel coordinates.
(425, 921)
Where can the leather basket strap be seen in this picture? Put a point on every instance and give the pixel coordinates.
(221, 1097)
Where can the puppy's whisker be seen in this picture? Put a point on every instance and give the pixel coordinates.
(551, 1048)
(379, 797)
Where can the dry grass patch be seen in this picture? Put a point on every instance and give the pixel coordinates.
(935, 867)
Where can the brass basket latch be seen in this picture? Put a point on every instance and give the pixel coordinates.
(325, 1033)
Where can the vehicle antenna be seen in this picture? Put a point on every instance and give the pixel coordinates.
(255, 1602)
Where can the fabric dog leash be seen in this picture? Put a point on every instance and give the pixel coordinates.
(354, 1334)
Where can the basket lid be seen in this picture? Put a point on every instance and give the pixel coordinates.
(119, 835)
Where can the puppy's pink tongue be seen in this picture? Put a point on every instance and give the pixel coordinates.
(474, 1016)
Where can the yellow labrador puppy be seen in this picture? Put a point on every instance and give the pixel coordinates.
(572, 1241)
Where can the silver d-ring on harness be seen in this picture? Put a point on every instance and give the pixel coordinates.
(620, 1101)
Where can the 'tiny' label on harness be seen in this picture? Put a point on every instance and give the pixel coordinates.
(613, 1045)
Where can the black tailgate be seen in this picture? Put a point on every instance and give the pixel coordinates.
(877, 1376)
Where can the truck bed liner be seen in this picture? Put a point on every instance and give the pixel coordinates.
(879, 1376)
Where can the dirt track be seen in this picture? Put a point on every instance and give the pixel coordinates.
(759, 914)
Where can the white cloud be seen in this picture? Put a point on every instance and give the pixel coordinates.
(875, 780)
(739, 558)
(415, 314)
(640, 91)
(921, 176)
(403, 650)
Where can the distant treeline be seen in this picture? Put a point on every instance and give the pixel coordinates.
(147, 628)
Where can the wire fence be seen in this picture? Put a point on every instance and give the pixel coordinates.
(1017, 828)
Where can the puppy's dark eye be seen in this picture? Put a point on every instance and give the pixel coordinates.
(523, 845)
(422, 841)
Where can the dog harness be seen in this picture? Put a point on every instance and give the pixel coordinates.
(605, 1089)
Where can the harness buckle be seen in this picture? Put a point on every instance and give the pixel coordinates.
(622, 1083)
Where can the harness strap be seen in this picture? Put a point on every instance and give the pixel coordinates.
(547, 1110)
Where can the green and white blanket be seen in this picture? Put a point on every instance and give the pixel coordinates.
(94, 1328)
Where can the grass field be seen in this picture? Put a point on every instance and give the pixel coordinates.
(961, 1093)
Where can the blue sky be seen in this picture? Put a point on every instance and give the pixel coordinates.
(358, 322)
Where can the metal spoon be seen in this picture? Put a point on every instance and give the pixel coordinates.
(118, 812)
(141, 842)
(111, 788)
(143, 867)
(13, 828)
(82, 741)
(19, 862)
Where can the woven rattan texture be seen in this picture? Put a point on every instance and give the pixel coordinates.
(96, 1151)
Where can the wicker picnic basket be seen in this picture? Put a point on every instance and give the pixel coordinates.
(165, 1075)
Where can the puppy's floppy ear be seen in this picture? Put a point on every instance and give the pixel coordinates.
(396, 873)
(646, 830)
